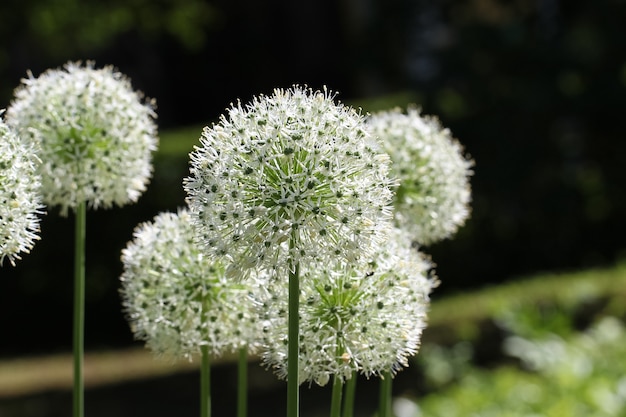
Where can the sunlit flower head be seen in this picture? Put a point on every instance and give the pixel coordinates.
(289, 176)
(176, 300)
(20, 199)
(369, 320)
(96, 135)
(432, 200)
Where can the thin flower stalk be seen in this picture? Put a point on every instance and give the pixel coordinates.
(205, 383)
(337, 393)
(350, 393)
(385, 395)
(242, 383)
(80, 228)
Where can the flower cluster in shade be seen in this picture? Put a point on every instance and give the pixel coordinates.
(95, 135)
(365, 319)
(177, 300)
(288, 179)
(20, 199)
(433, 196)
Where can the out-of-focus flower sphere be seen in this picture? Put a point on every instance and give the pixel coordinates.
(176, 299)
(432, 200)
(368, 319)
(95, 135)
(289, 178)
(20, 199)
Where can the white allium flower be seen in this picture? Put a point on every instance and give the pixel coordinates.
(176, 299)
(96, 135)
(20, 199)
(432, 200)
(366, 319)
(289, 176)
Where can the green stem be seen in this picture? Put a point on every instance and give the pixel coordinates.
(79, 310)
(205, 383)
(335, 403)
(293, 351)
(385, 395)
(242, 383)
(348, 402)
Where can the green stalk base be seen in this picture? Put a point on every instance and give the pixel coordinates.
(78, 348)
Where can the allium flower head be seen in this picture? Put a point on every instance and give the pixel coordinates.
(176, 299)
(20, 199)
(368, 319)
(292, 174)
(432, 200)
(95, 135)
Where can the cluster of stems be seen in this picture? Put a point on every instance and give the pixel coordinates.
(290, 182)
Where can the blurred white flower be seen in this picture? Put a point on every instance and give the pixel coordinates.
(20, 199)
(432, 200)
(365, 319)
(95, 135)
(176, 299)
(404, 407)
(289, 176)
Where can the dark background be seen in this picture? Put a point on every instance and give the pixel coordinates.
(535, 90)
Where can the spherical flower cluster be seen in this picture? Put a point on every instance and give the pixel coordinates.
(95, 134)
(292, 176)
(432, 200)
(20, 199)
(177, 300)
(367, 320)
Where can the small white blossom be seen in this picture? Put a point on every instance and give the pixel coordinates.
(95, 134)
(367, 319)
(176, 299)
(432, 200)
(289, 176)
(20, 199)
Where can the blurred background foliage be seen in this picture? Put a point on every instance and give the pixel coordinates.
(534, 89)
(560, 354)
(577, 374)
